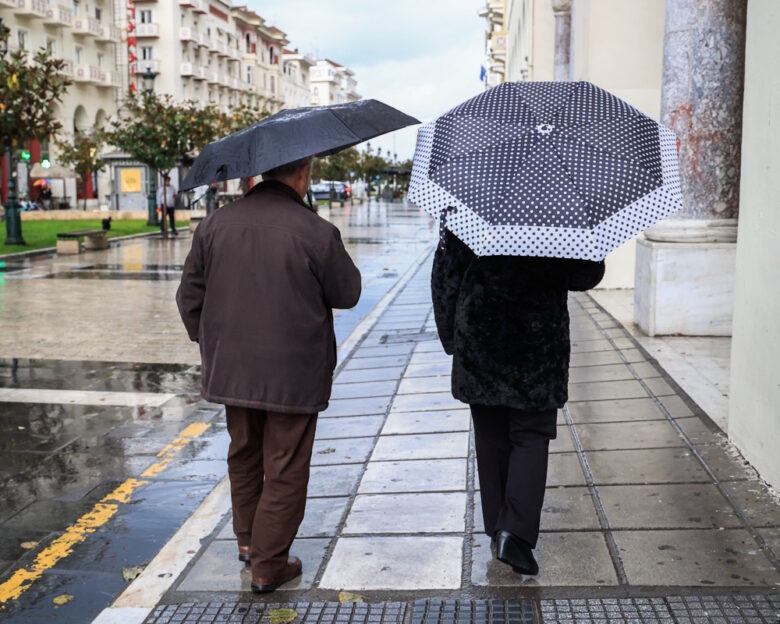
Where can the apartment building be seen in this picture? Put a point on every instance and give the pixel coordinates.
(332, 83)
(84, 34)
(296, 89)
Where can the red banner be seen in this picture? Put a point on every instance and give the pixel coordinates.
(132, 56)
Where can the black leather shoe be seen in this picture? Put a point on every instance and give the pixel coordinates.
(515, 552)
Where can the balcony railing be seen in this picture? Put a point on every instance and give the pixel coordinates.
(211, 76)
(199, 6)
(199, 73)
(203, 40)
(187, 69)
(110, 33)
(8, 4)
(187, 34)
(34, 8)
(221, 48)
(87, 26)
(143, 65)
(87, 73)
(109, 79)
(58, 16)
(147, 30)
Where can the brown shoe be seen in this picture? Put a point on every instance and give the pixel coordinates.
(243, 554)
(266, 584)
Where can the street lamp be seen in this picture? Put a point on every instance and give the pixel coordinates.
(151, 199)
(13, 220)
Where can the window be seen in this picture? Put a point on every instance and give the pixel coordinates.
(51, 45)
(100, 59)
(146, 16)
(249, 75)
(98, 13)
(77, 55)
(273, 84)
(22, 38)
(76, 8)
(248, 43)
(146, 53)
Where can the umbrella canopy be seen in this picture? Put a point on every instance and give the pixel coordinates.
(291, 135)
(41, 182)
(547, 169)
(54, 171)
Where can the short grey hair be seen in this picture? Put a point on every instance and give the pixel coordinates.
(288, 169)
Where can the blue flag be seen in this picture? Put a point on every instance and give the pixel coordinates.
(482, 73)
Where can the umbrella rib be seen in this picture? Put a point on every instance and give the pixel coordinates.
(619, 156)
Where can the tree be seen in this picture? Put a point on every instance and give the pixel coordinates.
(337, 166)
(241, 117)
(81, 153)
(157, 132)
(29, 89)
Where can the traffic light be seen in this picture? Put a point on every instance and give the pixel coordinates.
(25, 155)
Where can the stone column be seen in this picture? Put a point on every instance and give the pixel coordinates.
(685, 265)
(562, 68)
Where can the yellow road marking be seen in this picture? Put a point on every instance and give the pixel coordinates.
(96, 517)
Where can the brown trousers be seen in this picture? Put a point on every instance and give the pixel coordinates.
(268, 466)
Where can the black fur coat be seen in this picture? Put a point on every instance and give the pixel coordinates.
(506, 322)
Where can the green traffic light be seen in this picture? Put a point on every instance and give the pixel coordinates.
(25, 155)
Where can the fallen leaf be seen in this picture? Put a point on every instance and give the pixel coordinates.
(28, 545)
(62, 599)
(345, 596)
(132, 573)
(281, 616)
(326, 451)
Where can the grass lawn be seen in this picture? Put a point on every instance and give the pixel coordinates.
(39, 234)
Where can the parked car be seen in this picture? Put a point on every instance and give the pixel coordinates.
(321, 190)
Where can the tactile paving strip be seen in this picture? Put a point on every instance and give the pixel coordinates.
(473, 612)
(297, 613)
(725, 609)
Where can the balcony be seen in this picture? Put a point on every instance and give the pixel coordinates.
(199, 6)
(211, 76)
(87, 26)
(221, 48)
(234, 54)
(199, 73)
(147, 30)
(58, 16)
(87, 74)
(110, 33)
(188, 34)
(109, 79)
(187, 70)
(8, 4)
(203, 40)
(142, 65)
(33, 8)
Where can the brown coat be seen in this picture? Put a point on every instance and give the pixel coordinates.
(257, 293)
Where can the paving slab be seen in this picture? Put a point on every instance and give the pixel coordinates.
(218, 568)
(563, 442)
(628, 435)
(344, 451)
(608, 372)
(432, 369)
(374, 563)
(676, 406)
(434, 475)
(356, 407)
(333, 480)
(349, 427)
(606, 390)
(427, 422)
(594, 358)
(555, 553)
(363, 389)
(416, 385)
(322, 518)
(694, 558)
(390, 373)
(677, 506)
(757, 504)
(408, 513)
(376, 362)
(615, 410)
(422, 446)
(565, 469)
(565, 509)
(428, 401)
(642, 466)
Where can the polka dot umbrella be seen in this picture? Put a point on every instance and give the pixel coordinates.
(553, 169)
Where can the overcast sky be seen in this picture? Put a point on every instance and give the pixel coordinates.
(421, 56)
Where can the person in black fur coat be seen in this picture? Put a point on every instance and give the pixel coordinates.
(505, 321)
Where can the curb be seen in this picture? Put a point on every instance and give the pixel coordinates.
(45, 251)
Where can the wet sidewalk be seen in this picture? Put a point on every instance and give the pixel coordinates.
(650, 515)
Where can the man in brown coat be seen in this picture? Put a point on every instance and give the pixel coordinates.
(257, 294)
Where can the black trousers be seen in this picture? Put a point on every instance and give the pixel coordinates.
(512, 451)
(171, 210)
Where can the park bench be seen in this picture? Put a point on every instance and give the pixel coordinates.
(70, 242)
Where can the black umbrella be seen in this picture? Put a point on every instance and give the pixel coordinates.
(560, 169)
(290, 135)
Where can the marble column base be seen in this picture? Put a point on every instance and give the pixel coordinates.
(684, 288)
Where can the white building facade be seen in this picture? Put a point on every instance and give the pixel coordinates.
(332, 83)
